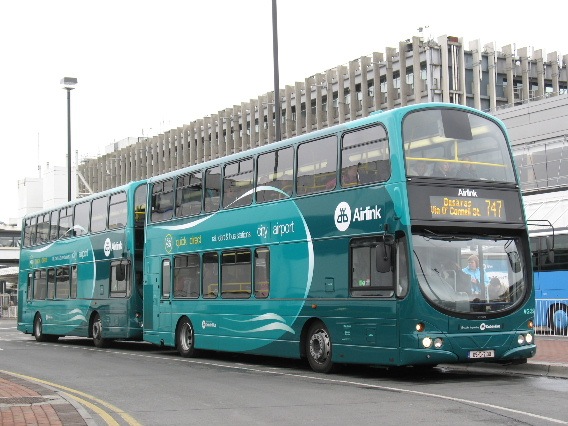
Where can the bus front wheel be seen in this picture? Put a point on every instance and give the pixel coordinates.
(185, 339)
(38, 331)
(97, 332)
(558, 319)
(319, 348)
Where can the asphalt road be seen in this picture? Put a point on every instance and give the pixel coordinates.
(157, 387)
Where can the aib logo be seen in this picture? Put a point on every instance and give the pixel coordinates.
(342, 216)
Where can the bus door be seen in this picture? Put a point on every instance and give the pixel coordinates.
(378, 279)
(165, 303)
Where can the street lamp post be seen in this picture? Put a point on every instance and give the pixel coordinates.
(277, 105)
(68, 83)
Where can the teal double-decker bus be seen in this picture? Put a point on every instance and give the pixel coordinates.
(395, 239)
(81, 267)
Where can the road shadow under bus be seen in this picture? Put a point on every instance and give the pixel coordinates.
(409, 375)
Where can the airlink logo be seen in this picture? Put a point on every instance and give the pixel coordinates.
(109, 245)
(343, 215)
(467, 193)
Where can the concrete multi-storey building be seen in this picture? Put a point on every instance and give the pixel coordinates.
(418, 70)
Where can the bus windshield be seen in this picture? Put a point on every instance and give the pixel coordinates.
(446, 143)
(469, 274)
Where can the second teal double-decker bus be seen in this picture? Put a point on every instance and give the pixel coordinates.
(395, 239)
(81, 268)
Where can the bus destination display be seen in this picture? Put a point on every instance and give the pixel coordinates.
(472, 208)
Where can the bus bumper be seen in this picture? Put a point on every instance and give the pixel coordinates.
(522, 352)
(429, 357)
(426, 357)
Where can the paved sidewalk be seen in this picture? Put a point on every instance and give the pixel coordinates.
(25, 402)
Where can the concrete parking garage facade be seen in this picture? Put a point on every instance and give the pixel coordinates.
(418, 70)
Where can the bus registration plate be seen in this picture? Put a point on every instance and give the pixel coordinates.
(481, 354)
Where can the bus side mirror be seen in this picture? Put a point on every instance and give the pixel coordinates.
(120, 272)
(514, 261)
(383, 252)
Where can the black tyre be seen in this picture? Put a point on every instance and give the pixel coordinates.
(97, 332)
(38, 331)
(319, 348)
(558, 319)
(185, 339)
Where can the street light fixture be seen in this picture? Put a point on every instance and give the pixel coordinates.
(68, 83)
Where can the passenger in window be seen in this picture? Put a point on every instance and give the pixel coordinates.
(467, 170)
(473, 270)
(443, 169)
(349, 177)
(453, 273)
(496, 290)
(419, 168)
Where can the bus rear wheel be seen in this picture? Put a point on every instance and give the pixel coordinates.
(38, 331)
(97, 332)
(319, 348)
(558, 319)
(185, 339)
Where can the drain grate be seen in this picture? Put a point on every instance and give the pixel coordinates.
(24, 400)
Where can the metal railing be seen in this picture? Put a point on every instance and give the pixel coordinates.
(10, 313)
(551, 317)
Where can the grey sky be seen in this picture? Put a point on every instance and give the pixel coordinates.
(147, 66)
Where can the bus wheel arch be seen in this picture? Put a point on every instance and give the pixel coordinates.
(185, 338)
(96, 331)
(317, 346)
(558, 318)
(39, 335)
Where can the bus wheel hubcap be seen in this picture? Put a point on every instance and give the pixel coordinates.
(97, 329)
(186, 339)
(319, 346)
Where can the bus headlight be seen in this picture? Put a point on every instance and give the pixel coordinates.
(521, 339)
(529, 338)
(438, 343)
(427, 342)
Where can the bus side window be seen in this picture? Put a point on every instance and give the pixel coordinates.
(62, 283)
(117, 211)
(40, 284)
(212, 189)
(237, 183)
(74, 280)
(30, 286)
(365, 156)
(119, 279)
(51, 283)
(186, 276)
(162, 201)
(236, 274)
(261, 272)
(166, 279)
(275, 170)
(317, 165)
(210, 275)
(366, 280)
